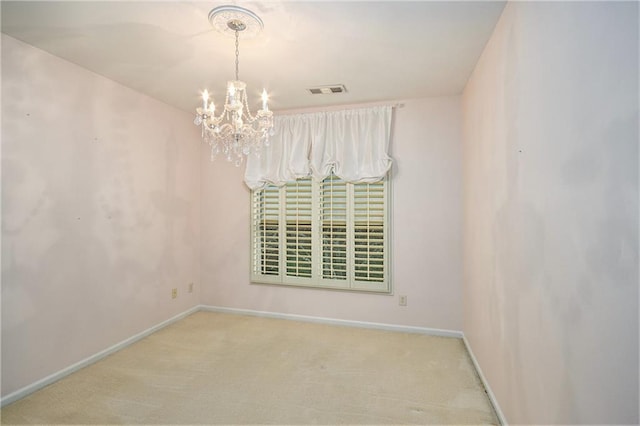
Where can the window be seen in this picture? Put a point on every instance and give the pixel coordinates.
(330, 234)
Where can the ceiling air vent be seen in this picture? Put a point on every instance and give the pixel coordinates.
(328, 90)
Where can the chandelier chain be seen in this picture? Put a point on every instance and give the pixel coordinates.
(237, 55)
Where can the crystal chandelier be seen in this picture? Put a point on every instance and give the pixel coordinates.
(235, 132)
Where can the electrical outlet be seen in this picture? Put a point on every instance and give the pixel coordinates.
(190, 287)
(403, 301)
(174, 293)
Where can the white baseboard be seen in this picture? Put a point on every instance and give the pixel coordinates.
(21, 393)
(492, 397)
(332, 321)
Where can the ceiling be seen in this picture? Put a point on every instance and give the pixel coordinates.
(380, 50)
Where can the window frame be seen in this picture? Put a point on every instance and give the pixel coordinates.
(351, 283)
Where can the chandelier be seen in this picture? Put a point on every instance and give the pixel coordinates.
(235, 132)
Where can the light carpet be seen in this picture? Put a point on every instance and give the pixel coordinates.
(213, 368)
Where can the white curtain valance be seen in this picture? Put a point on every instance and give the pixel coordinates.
(351, 143)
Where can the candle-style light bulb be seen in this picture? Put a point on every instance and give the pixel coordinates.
(265, 97)
(205, 98)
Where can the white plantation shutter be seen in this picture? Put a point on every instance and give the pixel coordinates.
(298, 203)
(323, 234)
(266, 232)
(333, 228)
(369, 237)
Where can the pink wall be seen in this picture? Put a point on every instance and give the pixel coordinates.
(100, 213)
(426, 232)
(551, 212)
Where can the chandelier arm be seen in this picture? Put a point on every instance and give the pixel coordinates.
(208, 116)
(218, 118)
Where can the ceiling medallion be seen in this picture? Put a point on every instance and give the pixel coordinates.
(249, 22)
